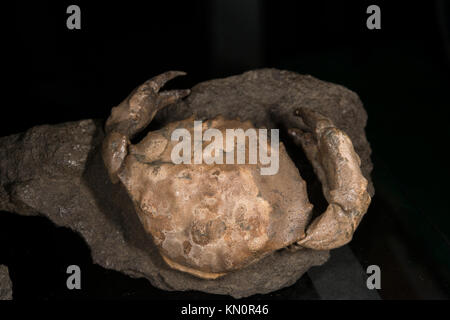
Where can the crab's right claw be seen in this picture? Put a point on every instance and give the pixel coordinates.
(171, 96)
(138, 110)
(337, 166)
(147, 95)
(157, 82)
(114, 151)
(134, 114)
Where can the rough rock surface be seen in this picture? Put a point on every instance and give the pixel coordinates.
(5, 284)
(57, 171)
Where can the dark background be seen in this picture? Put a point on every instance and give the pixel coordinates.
(401, 73)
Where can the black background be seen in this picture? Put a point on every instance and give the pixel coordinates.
(401, 73)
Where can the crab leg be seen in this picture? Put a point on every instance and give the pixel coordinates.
(337, 166)
(133, 115)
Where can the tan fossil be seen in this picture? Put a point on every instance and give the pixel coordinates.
(211, 219)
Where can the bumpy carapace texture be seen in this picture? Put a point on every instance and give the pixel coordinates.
(210, 219)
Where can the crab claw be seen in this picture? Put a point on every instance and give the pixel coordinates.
(141, 106)
(171, 96)
(337, 166)
(157, 82)
(134, 114)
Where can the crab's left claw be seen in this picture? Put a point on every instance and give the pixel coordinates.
(337, 166)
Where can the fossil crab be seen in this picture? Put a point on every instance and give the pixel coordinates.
(211, 219)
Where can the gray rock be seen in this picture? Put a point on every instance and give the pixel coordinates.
(56, 171)
(5, 284)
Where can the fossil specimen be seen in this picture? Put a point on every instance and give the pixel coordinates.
(209, 220)
(57, 171)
